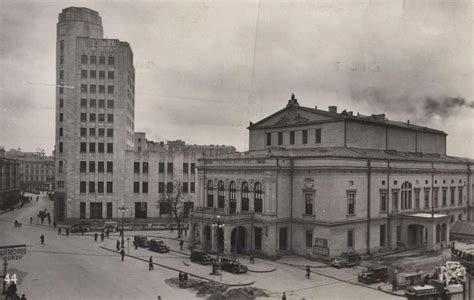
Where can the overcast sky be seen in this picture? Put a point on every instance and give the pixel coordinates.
(204, 69)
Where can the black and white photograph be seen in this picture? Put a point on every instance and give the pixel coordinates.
(236, 149)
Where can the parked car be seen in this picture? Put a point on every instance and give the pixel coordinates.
(141, 241)
(158, 246)
(347, 259)
(374, 274)
(233, 265)
(78, 228)
(201, 257)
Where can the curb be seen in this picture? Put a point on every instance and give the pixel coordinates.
(266, 271)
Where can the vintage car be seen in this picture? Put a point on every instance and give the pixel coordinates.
(232, 265)
(158, 246)
(201, 257)
(422, 292)
(141, 241)
(374, 274)
(347, 259)
(78, 228)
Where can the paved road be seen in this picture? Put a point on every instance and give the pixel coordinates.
(75, 267)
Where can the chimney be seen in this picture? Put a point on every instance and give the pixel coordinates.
(333, 109)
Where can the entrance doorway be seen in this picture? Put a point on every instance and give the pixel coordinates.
(207, 237)
(258, 238)
(283, 244)
(237, 238)
(220, 240)
(416, 235)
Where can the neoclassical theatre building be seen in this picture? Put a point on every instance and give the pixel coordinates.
(320, 183)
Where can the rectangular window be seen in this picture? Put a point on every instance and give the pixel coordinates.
(309, 239)
(101, 132)
(169, 167)
(136, 187)
(111, 61)
(269, 139)
(82, 210)
(109, 210)
(61, 102)
(96, 210)
(280, 138)
(83, 117)
(292, 137)
(417, 199)
(93, 59)
(140, 210)
(61, 89)
(350, 238)
(145, 167)
(100, 167)
(61, 74)
(91, 131)
(93, 103)
(83, 147)
(92, 88)
(110, 132)
(305, 137)
(100, 187)
(60, 147)
(83, 166)
(101, 103)
(110, 103)
(136, 167)
(161, 187)
(383, 201)
(92, 167)
(101, 87)
(84, 74)
(351, 203)
(445, 196)
(435, 197)
(383, 234)
(93, 74)
(308, 204)
(91, 187)
(101, 117)
(110, 118)
(165, 208)
(395, 200)
(169, 187)
(61, 117)
(318, 136)
(83, 59)
(453, 196)
(145, 187)
(110, 167)
(110, 148)
(101, 60)
(110, 187)
(110, 75)
(100, 147)
(61, 59)
(185, 168)
(110, 89)
(185, 188)
(91, 147)
(426, 195)
(92, 117)
(161, 167)
(193, 168)
(460, 195)
(84, 88)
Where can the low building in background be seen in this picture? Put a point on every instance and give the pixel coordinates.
(9, 181)
(36, 170)
(320, 183)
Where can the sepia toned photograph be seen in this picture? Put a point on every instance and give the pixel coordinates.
(236, 149)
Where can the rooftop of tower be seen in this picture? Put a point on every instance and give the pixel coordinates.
(80, 14)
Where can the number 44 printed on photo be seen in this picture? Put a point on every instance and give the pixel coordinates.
(11, 279)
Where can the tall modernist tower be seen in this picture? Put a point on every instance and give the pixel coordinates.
(94, 116)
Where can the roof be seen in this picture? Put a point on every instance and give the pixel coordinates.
(427, 216)
(463, 227)
(373, 119)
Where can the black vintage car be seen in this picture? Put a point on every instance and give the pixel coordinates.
(158, 246)
(232, 265)
(201, 257)
(374, 274)
(141, 241)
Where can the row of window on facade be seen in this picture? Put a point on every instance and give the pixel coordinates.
(92, 60)
(101, 166)
(100, 147)
(161, 167)
(93, 103)
(92, 187)
(140, 211)
(92, 132)
(97, 117)
(186, 187)
(292, 137)
(92, 74)
(93, 89)
(232, 191)
(395, 182)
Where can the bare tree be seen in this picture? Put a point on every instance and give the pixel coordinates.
(176, 202)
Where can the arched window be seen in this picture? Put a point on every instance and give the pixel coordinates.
(406, 195)
(232, 198)
(210, 193)
(220, 195)
(245, 197)
(258, 205)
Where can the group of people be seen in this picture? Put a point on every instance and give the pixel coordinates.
(183, 279)
(11, 292)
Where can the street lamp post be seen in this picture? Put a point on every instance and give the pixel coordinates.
(218, 224)
(5, 266)
(123, 209)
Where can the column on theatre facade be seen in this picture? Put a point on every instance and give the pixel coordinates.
(227, 241)
(238, 195)
(226, 195)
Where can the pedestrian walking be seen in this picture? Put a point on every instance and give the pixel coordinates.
(308, 272)
(37, 197)
(95, 237)
(31, 220)
(252, 259)
(284, 296)
(55, 224)
(180, 278)
(42, 239)
(49, 219)
(122, 253)
(102, 237)
(107, 232)
(118, 245)
(67, 231)
(23, 297)
(181, 243)
(135, 245)
(185, 232)
(185, 278)
(150, 264)
(59, 231)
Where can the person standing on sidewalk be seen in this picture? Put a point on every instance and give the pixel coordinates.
(95, 237)
(181, 243)
(150, 264)
(59, 231)
(42, 239)
(308, 272)
(122, 253)
(102, 237)
(118, 245)
(31, 220)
